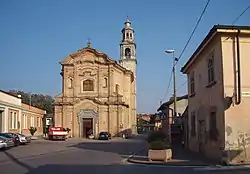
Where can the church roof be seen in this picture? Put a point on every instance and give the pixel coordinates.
(108, 60)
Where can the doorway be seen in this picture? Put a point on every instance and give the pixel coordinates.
(201, 135)
(87, 124)
(1, 121)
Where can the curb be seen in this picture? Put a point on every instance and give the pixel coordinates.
(130, 160)
(200, 167)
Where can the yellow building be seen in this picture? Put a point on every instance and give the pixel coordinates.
(98, 93)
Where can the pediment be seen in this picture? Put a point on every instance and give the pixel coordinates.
(90, 55)
(86, 55)
(87, 113)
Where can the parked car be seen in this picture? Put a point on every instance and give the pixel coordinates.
(23, 139)
(14, 137)
(6, 142)
(104, 136)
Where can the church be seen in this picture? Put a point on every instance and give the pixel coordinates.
(98, 93)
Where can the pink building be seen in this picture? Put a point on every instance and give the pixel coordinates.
(219, 94)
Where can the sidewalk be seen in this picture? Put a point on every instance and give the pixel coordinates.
(181, 157)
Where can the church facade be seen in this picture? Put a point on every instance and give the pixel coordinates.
(99, 94)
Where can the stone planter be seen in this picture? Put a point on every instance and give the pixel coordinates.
(160, 155)
(33, 137)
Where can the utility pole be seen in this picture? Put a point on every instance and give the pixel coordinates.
(174, 81)
(174, 86)
(174, 92)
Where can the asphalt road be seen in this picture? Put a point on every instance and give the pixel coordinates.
(83, 156)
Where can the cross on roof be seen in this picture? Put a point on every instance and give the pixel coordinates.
(89, 43)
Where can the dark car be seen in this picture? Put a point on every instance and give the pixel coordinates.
(13, 136)
(104, 136)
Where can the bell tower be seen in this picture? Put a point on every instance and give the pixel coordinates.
(128, 48)
(128, 61)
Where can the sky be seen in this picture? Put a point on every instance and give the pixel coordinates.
(36, 35)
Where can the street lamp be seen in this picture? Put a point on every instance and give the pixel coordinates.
(170, 51)
(20, 115)
(174, 86)
(174, 78)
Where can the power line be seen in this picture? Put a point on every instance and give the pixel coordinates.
(185, 47)
(190, 37)
(241, 14)
(196, 25)
(181, 85)
(169, 83)
(238, 17)
(234, 21)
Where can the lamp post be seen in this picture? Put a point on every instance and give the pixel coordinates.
(174, 95)
(174, 80)
(20, 115)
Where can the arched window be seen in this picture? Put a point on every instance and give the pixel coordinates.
(70, 82)
(127, 36)
(88, 85)
(131, 36)
(127, 53)
(105, 82)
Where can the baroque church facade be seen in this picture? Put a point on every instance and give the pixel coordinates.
(98, 93)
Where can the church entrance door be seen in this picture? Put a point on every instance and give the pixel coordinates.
(87, 122)
(87, 127)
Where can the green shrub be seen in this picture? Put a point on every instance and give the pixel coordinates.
(67, 129)
(157, 136)
(159, 145)
(32, 130)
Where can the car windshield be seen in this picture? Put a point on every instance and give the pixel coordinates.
(3, 138)
(6, 135)
(103, 133)
(21, 135)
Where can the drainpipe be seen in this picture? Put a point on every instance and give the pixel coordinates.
(109, 93)
(238, 93)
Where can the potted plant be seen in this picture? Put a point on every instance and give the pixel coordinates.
(32, 131)
(159, 148)
(67, 130)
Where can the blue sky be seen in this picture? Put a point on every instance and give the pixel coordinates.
(36, 35)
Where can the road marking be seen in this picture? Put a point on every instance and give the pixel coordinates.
(212, 168)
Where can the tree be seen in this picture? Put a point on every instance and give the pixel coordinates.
(41, 101)
(152, 119)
